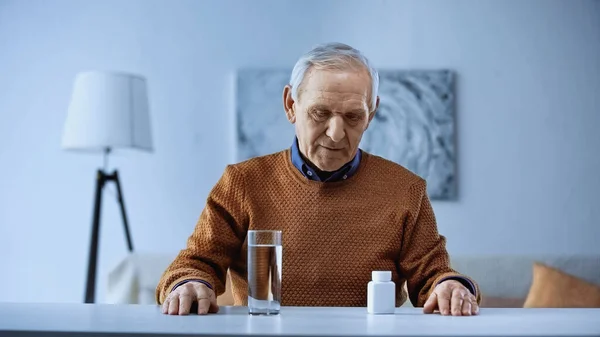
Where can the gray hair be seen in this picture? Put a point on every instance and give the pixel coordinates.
(337, 56)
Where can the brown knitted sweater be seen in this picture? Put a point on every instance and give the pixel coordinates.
(334, 233)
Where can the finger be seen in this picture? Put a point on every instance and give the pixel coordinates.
(458, 297)
(466, 306)
(214, 307)
(444, 301)
(203, 306)
(165, 305)
(474, 305)
(174, 305)
(185, 303)
(430, 304)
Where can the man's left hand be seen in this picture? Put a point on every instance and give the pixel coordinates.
(451, 297)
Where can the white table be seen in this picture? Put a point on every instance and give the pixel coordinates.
(139, 320)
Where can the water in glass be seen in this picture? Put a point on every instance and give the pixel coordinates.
(264, 273)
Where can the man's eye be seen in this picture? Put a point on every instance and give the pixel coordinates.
(320, 114)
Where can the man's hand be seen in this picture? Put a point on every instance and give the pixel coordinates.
(180, 300)
(451, 297)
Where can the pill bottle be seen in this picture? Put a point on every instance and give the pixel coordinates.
(381, 293)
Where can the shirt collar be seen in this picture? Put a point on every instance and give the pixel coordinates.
(343, 173)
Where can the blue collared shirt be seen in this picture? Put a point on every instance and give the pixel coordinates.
(343, 173)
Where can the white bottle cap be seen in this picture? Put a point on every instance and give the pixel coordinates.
(381, 276)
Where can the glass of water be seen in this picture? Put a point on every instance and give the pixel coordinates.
(264, 272)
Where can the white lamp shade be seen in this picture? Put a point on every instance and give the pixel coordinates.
(108, 110)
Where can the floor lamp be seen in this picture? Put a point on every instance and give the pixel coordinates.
(107, 111)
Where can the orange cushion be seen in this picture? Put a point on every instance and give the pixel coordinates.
(553, 288)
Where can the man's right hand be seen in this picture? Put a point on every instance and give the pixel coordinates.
(180, 301)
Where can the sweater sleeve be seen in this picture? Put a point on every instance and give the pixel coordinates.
(424, 260)
(217, 237)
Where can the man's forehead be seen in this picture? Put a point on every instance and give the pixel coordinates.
(334, 99)
(335, 86)
(333, 95)
(333, 102)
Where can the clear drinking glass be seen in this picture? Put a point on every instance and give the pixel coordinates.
(264, 272)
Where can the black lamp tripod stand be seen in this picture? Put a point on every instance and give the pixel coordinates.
(102, 178)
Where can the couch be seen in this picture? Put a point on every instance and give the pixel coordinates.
(504, 280)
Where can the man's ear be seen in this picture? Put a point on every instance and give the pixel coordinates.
(372, 113)
(288, 104)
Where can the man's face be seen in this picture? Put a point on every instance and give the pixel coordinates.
(331, 115)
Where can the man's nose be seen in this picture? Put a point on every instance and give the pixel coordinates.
(335, 129)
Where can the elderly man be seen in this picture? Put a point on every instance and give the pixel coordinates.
(343, 212)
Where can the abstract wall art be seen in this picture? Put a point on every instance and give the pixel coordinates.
(414, 125)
